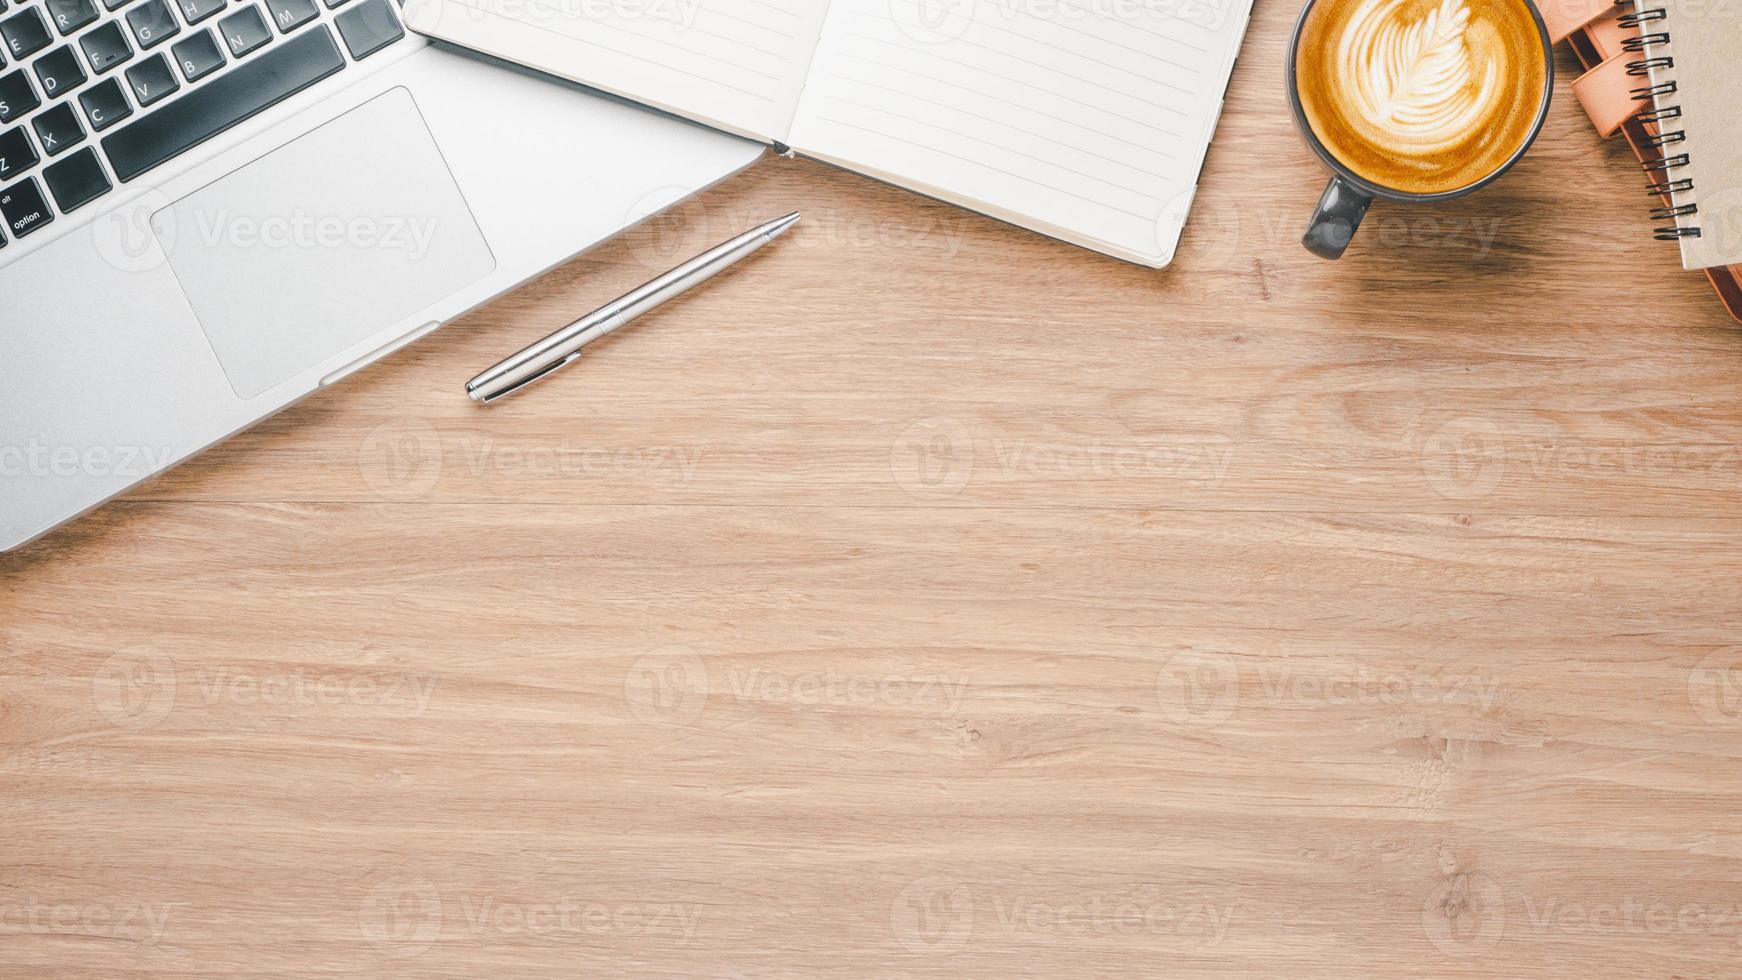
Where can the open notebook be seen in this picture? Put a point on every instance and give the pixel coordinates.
(1086, 120)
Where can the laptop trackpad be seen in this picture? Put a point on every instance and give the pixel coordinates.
(323, 243)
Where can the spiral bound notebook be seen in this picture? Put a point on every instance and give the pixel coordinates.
(1692, 55)
(1087, 122)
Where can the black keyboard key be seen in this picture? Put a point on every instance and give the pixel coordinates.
(17, 96)
(244, 30)
(369, 28)
(70, 15)
(334, 4)
(25, 33)
(59, 71)
(23, 208)
(151, 80)
(105, 105)
(115, 4)
(152, 23)
(105, 47)
(58, 129)
(291, 14)
(16, 153)
(247, 89)
(76, 181)
(198, 56)
(194, 11)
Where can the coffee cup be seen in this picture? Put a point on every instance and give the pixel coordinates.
(1414, 100)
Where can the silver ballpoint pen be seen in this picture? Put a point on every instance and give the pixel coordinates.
(561, 348)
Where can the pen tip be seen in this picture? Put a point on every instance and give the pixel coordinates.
(780, 225)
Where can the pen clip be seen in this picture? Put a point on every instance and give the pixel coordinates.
(529, 379)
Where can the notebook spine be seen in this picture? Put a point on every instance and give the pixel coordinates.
(1654, 68)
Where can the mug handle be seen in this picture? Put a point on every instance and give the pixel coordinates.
(1339, 213)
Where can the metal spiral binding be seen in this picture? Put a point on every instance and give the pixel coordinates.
(1651, 16)
(1662, 184)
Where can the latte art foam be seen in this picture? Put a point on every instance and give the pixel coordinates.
(1421, 95)
(1415, 85)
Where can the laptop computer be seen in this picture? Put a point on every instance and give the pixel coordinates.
(210, 209)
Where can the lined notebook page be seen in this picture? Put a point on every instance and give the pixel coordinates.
(735, 64)
(1085, 119)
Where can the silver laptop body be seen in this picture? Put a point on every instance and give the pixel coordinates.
(361, 188)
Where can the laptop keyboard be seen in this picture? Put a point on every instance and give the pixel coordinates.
(96, 93)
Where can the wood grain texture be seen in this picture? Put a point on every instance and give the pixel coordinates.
(931, 599)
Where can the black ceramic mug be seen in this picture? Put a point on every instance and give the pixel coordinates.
(1348, 195)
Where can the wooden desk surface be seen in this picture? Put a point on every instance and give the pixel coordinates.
(932, 599)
